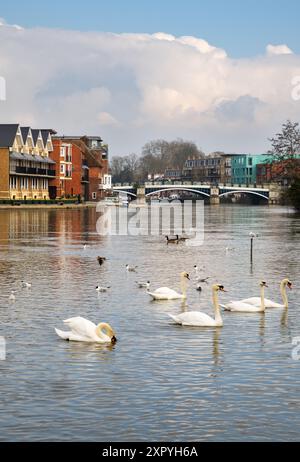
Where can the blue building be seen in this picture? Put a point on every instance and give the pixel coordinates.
(244, 167)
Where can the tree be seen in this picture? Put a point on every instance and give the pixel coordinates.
(285, 152)
(285, 160)
(158, 155)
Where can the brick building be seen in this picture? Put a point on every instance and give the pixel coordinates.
(72, 172)
(82, 167)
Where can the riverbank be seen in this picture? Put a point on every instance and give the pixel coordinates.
(63, 206)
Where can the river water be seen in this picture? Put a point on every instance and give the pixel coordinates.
(159, 381)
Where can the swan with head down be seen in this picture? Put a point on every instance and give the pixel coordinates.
(164, 293)
(198, 319)
(83, 330)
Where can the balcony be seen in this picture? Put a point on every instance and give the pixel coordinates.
(32, 171)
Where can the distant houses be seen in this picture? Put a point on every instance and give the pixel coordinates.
(38, 165)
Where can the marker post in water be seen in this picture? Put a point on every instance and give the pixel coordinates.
(252, 237)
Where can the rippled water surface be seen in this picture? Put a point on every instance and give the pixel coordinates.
(159, 381)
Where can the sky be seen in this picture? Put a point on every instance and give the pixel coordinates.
(214, 72)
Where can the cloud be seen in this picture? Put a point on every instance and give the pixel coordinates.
(278, 50)
(130, 88)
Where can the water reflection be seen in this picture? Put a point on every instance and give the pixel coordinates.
(160, 381)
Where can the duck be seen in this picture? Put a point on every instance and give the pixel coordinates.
(164, 293)
(131, 269)
(101, 260)
(198, 278)
(26, 285)
(12, 296)
(143, 285)
(198, 319)
(172, 240)
(269, 303)
(242, 307)
(83, 330)
(102, 289)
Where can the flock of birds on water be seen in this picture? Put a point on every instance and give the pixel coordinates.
(83, 330)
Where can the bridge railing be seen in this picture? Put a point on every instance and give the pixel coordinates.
(151, 184)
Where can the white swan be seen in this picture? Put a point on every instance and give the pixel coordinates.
(198, 319)
(269, 303)
(164, 293)
(242, 307)
(83, 330)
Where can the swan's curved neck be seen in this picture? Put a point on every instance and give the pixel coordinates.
(284, 294)
(108, 330)
(262, 298)
(218, 317)
(183, 286)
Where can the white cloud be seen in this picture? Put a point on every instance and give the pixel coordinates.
(278, 50)
(130, 88)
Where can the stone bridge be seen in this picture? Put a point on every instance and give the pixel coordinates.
(270, 192)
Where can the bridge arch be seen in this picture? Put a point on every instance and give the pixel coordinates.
(244, 192)
(177, 189)
(123, 191)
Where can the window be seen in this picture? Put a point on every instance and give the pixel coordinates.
(62, 151)
(94, 195)
(250, 161)
(62, 169)
(13, 182)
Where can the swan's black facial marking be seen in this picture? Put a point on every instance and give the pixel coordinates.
(113, 339)
(222, 288)
(187, 276)
(289, 284)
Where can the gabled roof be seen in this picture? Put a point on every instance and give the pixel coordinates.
(35, 134)
(45, 134)
(25, 131)
(8, 134)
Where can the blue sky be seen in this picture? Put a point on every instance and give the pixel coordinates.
(242, 28)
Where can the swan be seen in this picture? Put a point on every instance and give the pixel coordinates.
(253, 235)
(83, 330)
(198, 319)
(269, 303)
(242, 307)
(131, 268)
(143, 285)
(164, 293)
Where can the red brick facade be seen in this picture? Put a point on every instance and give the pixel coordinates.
(81, 168)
